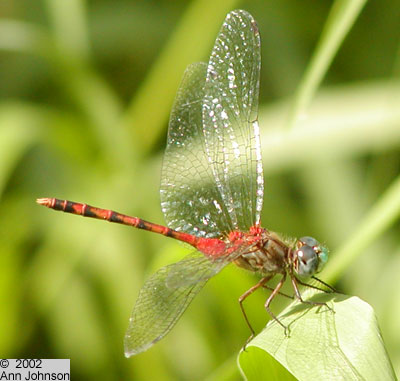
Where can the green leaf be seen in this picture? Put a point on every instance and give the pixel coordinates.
(345, 343)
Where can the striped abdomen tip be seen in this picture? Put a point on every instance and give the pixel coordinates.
(44, 201)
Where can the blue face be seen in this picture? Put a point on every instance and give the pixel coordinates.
(310, 256)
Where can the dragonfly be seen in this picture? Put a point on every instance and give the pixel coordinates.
(212, 188)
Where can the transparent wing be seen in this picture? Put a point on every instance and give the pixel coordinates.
(165, 296)
(212, 177)
(230, 119)
(190, 200)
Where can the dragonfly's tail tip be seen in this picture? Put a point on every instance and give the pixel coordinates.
(44, 201)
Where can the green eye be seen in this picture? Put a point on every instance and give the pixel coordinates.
(323, 258)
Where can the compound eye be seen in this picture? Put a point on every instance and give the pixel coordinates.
(307, 261)
(310, 256)
(309, 241)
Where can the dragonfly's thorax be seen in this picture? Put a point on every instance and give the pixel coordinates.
(269, 255)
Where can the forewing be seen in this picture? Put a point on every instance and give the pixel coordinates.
(190, 199)
(230, 119)
(165, 296)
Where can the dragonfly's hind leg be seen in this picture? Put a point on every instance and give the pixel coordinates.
(279, 293)
(275, 292)
(243, 297)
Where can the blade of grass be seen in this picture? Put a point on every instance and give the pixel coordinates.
(342, 16)
(84, 86)
(226, 371)
(381, 216)
(70, 57)
(68, 18)
(189, 42)
(19, 36)
(18, 131)
(342, 122)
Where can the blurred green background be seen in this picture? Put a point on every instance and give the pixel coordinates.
(85, 92)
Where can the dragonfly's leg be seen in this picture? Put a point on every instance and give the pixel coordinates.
(243, 298)
(325, 284)
(298, 295)
(310, 285)
(271, 297)
(280, 293)
(316, 287)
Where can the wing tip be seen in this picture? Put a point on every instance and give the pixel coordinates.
(137, 349)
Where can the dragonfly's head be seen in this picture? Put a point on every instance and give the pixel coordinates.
(309, 256)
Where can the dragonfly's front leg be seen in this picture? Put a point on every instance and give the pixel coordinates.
(332, 289)
(299, 297)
